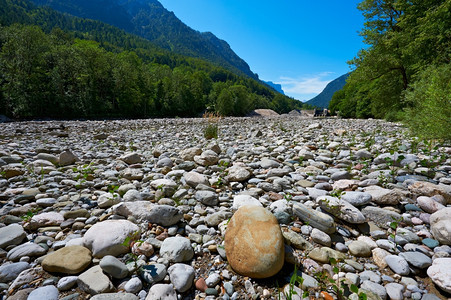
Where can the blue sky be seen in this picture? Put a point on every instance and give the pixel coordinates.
(300, 44)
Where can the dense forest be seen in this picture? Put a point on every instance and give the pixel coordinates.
(56, 65)
(405, 72)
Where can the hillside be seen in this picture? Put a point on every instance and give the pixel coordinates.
(60, 66)
(149, 19)
(323, 99)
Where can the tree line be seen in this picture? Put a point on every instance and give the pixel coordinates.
(55, 65)
(404, 73)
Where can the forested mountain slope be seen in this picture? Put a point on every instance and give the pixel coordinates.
(149, 19)
(56, 65)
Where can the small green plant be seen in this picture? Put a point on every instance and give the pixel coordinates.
(338, 285)
(295, 279)
(337, 193)
(211, 129)
(29, 214)
(288, 197)
(129, 241)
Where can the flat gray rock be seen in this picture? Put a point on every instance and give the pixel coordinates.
(12, 234)
(45, 292)
(314, 218)
(10, 271)
(94, 282)
(27, 249)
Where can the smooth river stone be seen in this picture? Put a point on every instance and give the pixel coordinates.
(254, 243)
(68, 260)
(107, 237)
(314, 218)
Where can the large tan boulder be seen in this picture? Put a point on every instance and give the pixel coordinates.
(68, 260)
(254, 243)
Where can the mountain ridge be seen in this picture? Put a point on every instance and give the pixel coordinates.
(322, 99)
(149, 19)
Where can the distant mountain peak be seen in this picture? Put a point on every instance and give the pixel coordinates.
(323, 99)
(275, 86)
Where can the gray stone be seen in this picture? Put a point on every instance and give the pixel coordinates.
(359, 249)
(66, 283)
(94, 282)
(380, 216)
(27, 249)
(131, 158)
(208, 198)
(45, 292)
(177, 249)
(370, 275)
(296, 240)
(153, 273)
(321, 237)
(113, 266)
(108, 199)
(115, 296)
(242, 200)
(315, 218)
(398, 264)
(417, 259)
(12, 234)
(341, 209)
(267, 163)
(237, 173)
(383, 196)
(395, 291)
(9, 272)
(357, 198)
(193, 179)
(162, 291)
(133, 286)
(107, 237)
(182, 276)
(147, 211)
(131, 196)
(67, 158)
(374, 288)
(428, 204)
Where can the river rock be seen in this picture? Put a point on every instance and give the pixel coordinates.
(68, 260)
(107, 237)
(341, 209)
(383, 196)
(10, 271)
(441, 225)
(177, 249)
(254, 243)
(440, 273)
(162, 291)
(27, 249)
(245, 200)
(113, 266)
(94, 282)
(314, 218)
(12, 234)
(182, 276)
(146, 211)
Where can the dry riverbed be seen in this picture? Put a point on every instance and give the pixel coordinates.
(139, 209)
